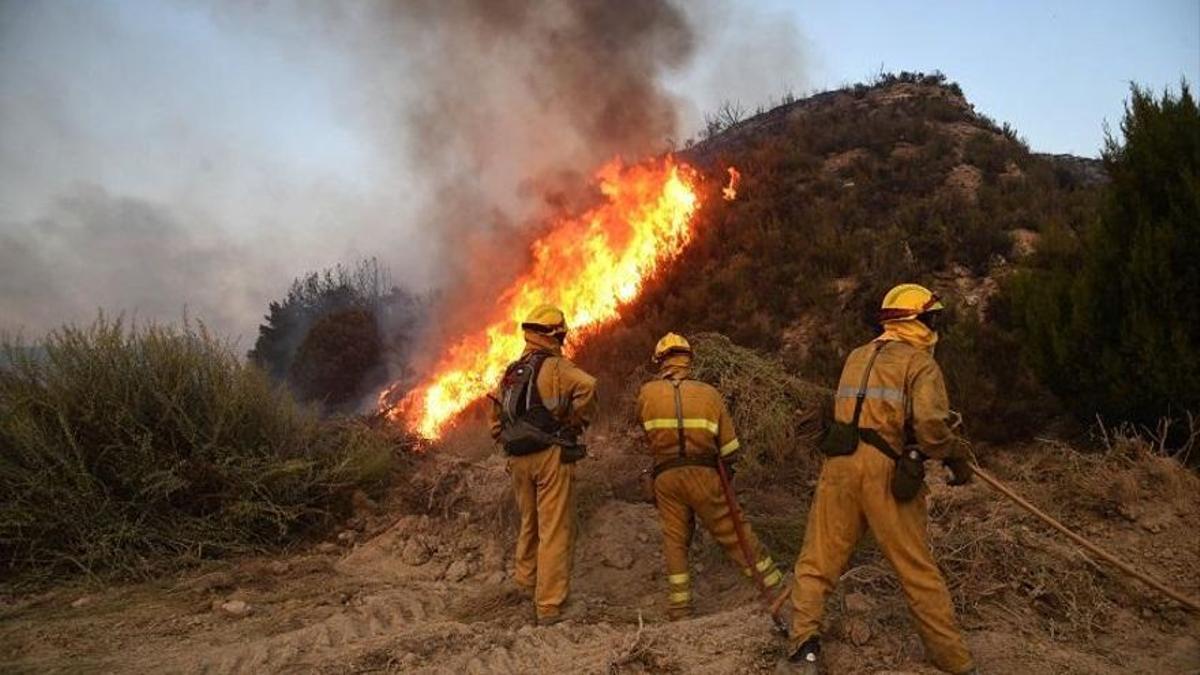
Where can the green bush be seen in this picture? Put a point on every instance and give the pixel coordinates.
(339, 332)
(1114, 323)
(999, 398)
(127, 448)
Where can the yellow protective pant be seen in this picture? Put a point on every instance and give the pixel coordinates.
(683, 494)
(854, 492)
(544, 487)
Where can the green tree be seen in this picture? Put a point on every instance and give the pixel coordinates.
(341, 353)
(1114, 326)
(338, 332)
(311, 297)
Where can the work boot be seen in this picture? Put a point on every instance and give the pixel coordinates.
(679, 613)
(521, 590)
(804, 661)
(569, 611)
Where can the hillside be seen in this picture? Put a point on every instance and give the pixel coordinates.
(846, 194)
(843, 194)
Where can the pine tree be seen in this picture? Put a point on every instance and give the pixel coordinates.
(1115, 329)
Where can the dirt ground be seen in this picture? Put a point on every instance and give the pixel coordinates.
(421, 584)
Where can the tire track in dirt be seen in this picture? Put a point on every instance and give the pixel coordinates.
(566, 647)
(376, 617)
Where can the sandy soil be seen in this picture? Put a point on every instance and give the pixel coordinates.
(422, 586)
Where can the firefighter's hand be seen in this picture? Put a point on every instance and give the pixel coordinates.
(731, 464)
(961, 472)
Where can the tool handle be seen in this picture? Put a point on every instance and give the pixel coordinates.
(735, 513)
(1125, 567)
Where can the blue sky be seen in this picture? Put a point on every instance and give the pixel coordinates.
(1055, 70)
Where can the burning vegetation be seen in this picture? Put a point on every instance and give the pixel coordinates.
(590, 266)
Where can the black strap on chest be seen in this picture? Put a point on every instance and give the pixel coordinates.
(683, 459)
(871, 436)
(862, 387)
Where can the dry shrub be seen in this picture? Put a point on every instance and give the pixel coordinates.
(1133, 468)
(1005, 565)
(777, 415)
(445, 486)
(127, 449)
(469, 437)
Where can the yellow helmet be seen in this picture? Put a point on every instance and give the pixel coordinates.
(671, 343)
(908, 301)
(546, 319)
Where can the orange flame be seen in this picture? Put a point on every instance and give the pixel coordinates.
(588, 266)
(730, 191)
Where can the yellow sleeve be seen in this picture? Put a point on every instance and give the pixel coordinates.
(639, 409)
(580, 388)
(931, 410)
(727, 440)
(494, 414)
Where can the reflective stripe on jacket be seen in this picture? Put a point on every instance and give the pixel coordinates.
(905, 395)
(707, 424)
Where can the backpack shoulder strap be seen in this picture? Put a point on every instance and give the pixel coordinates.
(871, 436)
(679, 417)
(861, 395)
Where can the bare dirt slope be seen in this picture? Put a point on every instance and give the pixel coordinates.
(422, 586)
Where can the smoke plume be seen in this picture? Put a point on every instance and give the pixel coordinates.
(162, 155)
(519, 103)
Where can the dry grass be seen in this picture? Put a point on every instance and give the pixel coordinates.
(1004, 563)
(1008, 570)
(127, 448)
(779, 417)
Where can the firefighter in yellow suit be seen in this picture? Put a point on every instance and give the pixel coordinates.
(903, 390)
(543, 481)
(688, 428)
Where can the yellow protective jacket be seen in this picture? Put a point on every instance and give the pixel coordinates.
(905, 400)
(567, 391)
(544, 485)
(905, 397)
(707, 425)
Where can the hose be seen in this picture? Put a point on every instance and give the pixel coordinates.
(747, 554)
(1111, 559)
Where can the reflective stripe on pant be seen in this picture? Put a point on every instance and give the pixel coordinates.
(766, 567)
(853, 493)
(683, 495)
(545, 541)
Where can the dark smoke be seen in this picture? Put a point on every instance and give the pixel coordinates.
(439, 137)
(520, 102)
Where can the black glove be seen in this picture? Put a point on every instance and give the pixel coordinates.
(961, 472)
(731, 462)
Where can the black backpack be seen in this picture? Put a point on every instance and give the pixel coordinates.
(526, 424)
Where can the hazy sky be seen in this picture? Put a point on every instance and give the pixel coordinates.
(163, 154)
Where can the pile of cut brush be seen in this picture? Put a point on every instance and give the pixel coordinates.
(779, 417)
